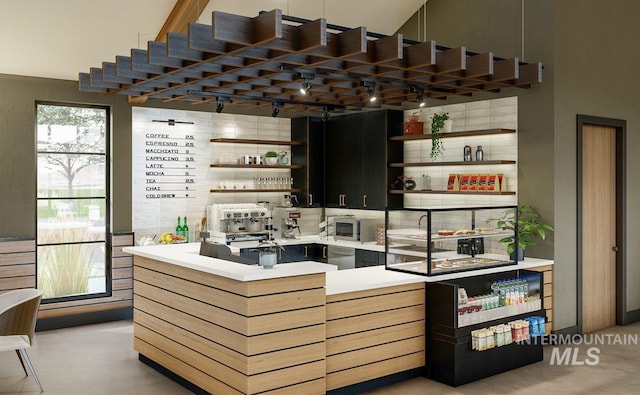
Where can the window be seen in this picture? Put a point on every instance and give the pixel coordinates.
(73, 218)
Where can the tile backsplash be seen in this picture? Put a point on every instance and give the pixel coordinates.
(486, 114)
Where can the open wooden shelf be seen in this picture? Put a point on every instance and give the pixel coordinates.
(466, 133)
(454, 163)
(239, 166)
(253, 190)
(435, 192)
(249, 141)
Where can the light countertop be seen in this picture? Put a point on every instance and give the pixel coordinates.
(371, 246)
(343, 281)
(187, 255)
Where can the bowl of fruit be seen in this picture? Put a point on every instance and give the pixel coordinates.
(171, 238)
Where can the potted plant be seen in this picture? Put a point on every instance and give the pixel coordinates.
(271, 157)
(437, 124)
(528, 228)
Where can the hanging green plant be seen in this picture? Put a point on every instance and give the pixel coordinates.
(437, 123)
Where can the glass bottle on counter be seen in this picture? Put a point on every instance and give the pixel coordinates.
(178, 228)
(185, 230)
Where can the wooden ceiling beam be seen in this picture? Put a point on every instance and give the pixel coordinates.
(243, 30)
(530, 73)
(264, 58)
(183, 12)
(451, 60)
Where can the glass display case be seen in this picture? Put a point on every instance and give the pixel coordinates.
(447, 240)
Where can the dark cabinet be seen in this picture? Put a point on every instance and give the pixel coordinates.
(344, 157)
(366, 258)
(293, 253)
(356, 157)
(311, 156)
(451, 358)
(316, 252)
(250, 253)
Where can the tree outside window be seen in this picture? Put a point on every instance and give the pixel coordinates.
(72, 200)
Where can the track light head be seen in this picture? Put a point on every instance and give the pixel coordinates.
(306, 87)
(276, 109)
(220, 103)
(419, 95)
(371, 87)
(325, 113)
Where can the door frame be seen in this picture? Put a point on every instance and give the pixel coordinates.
(621, 208)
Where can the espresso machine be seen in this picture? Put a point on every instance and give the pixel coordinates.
(285, 222)
(227, 223)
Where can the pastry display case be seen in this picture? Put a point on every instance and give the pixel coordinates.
(447, 240)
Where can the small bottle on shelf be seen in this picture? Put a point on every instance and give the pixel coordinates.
(479, 153)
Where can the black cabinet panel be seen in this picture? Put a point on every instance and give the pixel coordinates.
(311, 155)
(366, 258)
(293, 253)
(357, 153)
(343, 161)
(317, 252)
(451, 359)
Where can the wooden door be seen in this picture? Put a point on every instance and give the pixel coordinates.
(598, 227)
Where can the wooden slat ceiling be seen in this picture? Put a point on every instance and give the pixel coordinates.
(262, 60)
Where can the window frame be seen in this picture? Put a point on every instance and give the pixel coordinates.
(107, 203)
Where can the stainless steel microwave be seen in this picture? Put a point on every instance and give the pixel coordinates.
(354, 229)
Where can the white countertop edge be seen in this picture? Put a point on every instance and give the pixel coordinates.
(187, 255)
(370, 246)
(338, 282)
(362, 279)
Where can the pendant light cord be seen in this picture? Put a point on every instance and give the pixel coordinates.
(522, 33)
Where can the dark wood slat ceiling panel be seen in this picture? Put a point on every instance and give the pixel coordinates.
(260, 60)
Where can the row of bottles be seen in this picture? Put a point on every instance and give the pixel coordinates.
(510, 292)
(505, 334)
(183, 230)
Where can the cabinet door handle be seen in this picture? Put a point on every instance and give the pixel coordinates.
(324, 251)
(310, 199)
(305, 252)
(364, 201)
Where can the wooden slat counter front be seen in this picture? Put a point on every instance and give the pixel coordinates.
(231, 328)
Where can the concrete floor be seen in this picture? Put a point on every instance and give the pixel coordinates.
(99, 359)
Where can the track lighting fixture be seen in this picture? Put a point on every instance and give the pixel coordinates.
(276, 109)
(306, 85)
(419, 95)
(220, 103)
(325, 114)
(371, 87)
(419, 99)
